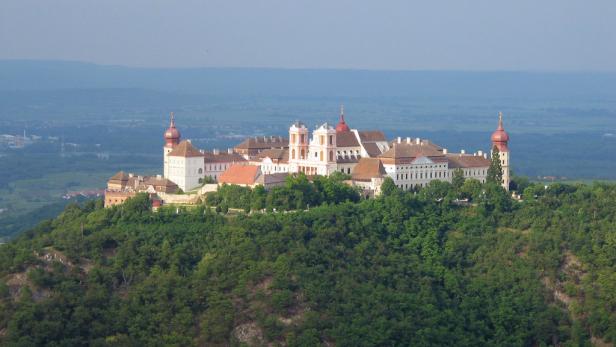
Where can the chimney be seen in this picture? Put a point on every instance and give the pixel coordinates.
(159, 177)
(485, 155)
(462, 152)
(444, 150)
(130, 175)
(189, 140)
(408, 140)
(216, 151)
(201, 151)
(230, 150)
(399, 139)
(480, 153)
(418, 141)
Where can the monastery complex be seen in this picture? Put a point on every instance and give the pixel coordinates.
(367, 156)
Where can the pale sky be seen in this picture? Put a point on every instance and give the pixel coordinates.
(393, 35)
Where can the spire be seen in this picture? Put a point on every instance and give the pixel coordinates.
(172, 135)
(342, 126)
(500, 138)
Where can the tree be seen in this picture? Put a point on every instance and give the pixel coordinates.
(519, 183)
(495, 172)
(388, 187)
(458, 178)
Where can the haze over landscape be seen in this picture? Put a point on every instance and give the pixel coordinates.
(398, 35)
(86, 89)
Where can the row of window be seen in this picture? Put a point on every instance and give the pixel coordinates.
(274, 168)
(422, 175)
(217, 167)
(439, 174)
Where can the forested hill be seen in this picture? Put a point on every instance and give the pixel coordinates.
(416, 269)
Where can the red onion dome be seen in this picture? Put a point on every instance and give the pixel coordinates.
(342, 127)
(172, 134)
(500, 136)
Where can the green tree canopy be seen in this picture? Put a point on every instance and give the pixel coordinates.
(495, 171)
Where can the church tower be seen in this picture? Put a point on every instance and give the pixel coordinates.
(500, 140)
(172, 139)
(323, 149)
(298, 145)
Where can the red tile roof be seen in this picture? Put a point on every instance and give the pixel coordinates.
(185, 149)
(466, 161)
(371, 136)
(372, 149)
(223, 157)
(264, 142)
(368, 168)
(240, 174)
(346, 139)
(120, 177)
(276, 154)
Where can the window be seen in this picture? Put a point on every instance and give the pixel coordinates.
(293, 153)
(331, 155)
(301, 138)
(302, 154)
(293, 138)
(200, 171)
(321, 140)
(320, 156)
(331, 140)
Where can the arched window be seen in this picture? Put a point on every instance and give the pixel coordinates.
(321, 156)
(293, 153)
(331, 140)
(200, 171)
(302, 154)
(331, 155)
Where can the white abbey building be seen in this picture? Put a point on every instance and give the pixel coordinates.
(410, 162)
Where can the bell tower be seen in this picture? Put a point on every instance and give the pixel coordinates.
(500, 140)
(298, 145)
(172, 139)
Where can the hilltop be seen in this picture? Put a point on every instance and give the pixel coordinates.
(459, 262)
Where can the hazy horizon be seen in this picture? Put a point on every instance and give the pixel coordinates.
(394, 36)
(248, 67)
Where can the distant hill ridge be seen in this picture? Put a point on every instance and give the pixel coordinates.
(34, 75)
